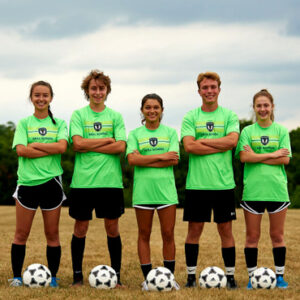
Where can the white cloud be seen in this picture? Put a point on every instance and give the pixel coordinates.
(145, 59)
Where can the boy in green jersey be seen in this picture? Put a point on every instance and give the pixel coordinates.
(209, 133)
(265, 148)
(98, 136)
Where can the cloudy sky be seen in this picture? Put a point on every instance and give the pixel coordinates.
(151, 46)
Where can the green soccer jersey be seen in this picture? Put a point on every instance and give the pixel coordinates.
(153, 185)
(211, 171)
(94, 169)
(264, 182)
(35, 171)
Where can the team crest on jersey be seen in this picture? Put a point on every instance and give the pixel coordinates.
(264, 140)
(210, 126)
(42, 131)
(97, 126)
(153, 142)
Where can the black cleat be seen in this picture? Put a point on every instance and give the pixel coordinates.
(191, 283)
(231, 283)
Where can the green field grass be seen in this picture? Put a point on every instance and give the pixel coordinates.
(96, 253)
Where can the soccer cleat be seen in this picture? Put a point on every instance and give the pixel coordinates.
(281, 284)
(176, 286)
(15, 282)
(231, 283)
(53, 282)
(191, 282)
(249, 285)
(144, 286)
(77, 283)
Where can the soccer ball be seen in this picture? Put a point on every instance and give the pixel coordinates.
(160, 279)
(103, 277)
(36, 275)
(263, 278)
(212, 277)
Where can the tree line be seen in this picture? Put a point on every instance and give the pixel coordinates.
(9, 164)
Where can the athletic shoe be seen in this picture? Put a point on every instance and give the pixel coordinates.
(249, 285)
(144, 286)
(176, 286)
(77, 283)
(15, 282)
(281, 284)
(53, 282)
(231, 283)
(191, 282)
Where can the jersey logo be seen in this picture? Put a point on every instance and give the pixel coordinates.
(97, 126)
(43, 131)
(264, 140)
(210, 126)
(153, 142)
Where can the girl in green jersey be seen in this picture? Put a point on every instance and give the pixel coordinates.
(39, 141)
(154, 149)
(264, 147)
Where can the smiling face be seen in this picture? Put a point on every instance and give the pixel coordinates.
(152, 111)
(209, 91)
(41, 97)
(97, 92)
(263, 108)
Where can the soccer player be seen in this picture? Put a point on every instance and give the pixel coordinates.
(153, 150)
(98, 136)
(265, 148)
(39, 141)
(209, 133)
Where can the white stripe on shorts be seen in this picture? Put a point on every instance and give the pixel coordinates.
(152, 208)
(15, 195)
(282, 207)
(246, 207)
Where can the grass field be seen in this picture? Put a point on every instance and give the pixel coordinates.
(96, 253)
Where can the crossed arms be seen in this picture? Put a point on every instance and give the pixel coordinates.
(210, 146)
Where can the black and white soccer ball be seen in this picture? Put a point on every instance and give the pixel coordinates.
(212, 277)
(36, 275)
(103, 277)
(263, 278)
(160, 279)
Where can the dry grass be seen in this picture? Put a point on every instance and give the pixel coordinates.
(96, 253)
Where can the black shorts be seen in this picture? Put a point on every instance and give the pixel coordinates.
(48, 195)
(107, 202)
(152, 206)
(199, 204)
(258, 207)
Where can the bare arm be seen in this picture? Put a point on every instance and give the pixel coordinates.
(29, 152)
(137, 159)
(113, 148)
(197, 147)
(51, 148)
(227, 142)
(81, 144)
(163, 164)
(285, 160)
(248, 155)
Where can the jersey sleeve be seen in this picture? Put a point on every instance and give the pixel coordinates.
(233, 124)
(20, 137)
(119, 128)
(76, 127)
(243, 140)
(62, 131)
(132, 143)
(284, 141)
(188, 126)
(174, 143)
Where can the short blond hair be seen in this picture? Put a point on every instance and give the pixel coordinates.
(208, 75)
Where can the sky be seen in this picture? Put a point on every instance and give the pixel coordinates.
(155, 46)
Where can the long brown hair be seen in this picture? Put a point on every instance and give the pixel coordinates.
(48, 85)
